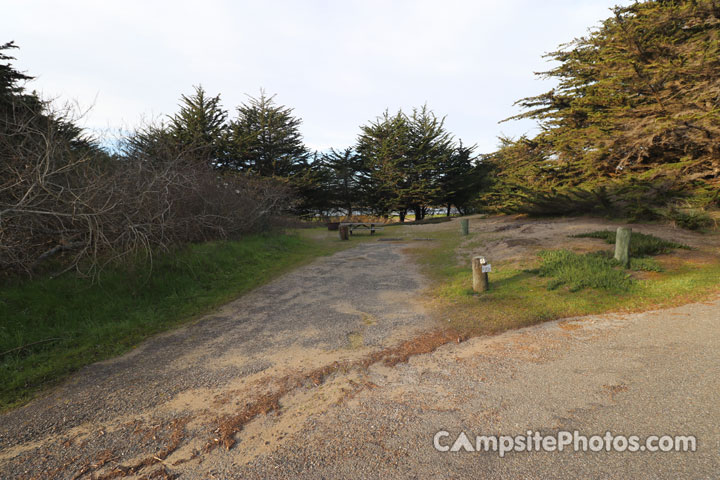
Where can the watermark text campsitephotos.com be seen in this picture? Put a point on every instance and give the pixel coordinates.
(444, 441)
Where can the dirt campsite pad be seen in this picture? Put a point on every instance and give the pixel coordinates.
(340, 370)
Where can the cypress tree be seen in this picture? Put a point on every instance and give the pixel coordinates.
(199, 125)
(265, 139)
(636, 111)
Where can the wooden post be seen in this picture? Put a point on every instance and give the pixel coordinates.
(622, 245)
(344, 232)
(480, 278)
(465, 225)
(372, 229)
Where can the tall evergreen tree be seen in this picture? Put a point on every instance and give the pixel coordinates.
(637, 102)
(403, 156)
(265, 139)
(16, 106)
(25, 117)
(382, 146)
(313, 185)
(10, 78)
(199, 125)
(197, 132)
(345, 168)
(430, 147)
(460, 179)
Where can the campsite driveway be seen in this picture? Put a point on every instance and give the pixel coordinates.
(335, 310)
(285, 383)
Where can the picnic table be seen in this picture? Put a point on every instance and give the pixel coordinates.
(361, 225)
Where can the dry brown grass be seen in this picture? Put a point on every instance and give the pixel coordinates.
(176, 428)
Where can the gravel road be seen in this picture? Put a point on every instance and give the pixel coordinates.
(281, 373)
(653, 373)
(338, 308)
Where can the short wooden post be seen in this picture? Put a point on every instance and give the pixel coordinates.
(344, 232)
(622, 245)
(465, 225)
(480, 278)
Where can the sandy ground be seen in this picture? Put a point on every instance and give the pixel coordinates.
(514, 241)
(645, 374)
(285, 382)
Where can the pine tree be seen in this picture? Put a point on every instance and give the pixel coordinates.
(345, 169)
(313, 184)
(402, 157)
(10, 78)
(265, 139)
(382, 146)
(460, 178)
(199, 126)
(25, 117)
(430, 147)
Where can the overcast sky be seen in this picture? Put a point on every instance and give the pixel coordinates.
(337, 63)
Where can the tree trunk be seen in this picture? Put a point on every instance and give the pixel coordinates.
(448, 209)
(402, 215)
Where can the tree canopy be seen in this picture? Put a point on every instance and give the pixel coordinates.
(199, 125)
(10, 78)
(637, 102)
(411, 162)
(265, 139)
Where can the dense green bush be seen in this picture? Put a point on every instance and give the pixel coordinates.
(691, 220)
(593, 270)
(600, 269)
(641, 245)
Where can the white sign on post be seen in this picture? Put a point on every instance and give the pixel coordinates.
(487, 268)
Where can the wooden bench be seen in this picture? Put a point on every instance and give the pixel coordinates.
(373, 227)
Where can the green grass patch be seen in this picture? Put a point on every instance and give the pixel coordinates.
(645, 264)
(53, 326)
(582, 271)
(598, 269)
(690, 219)
(519, 297)
(641, 245)
(590, 270)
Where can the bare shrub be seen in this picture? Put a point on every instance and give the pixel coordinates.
(59, 193)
